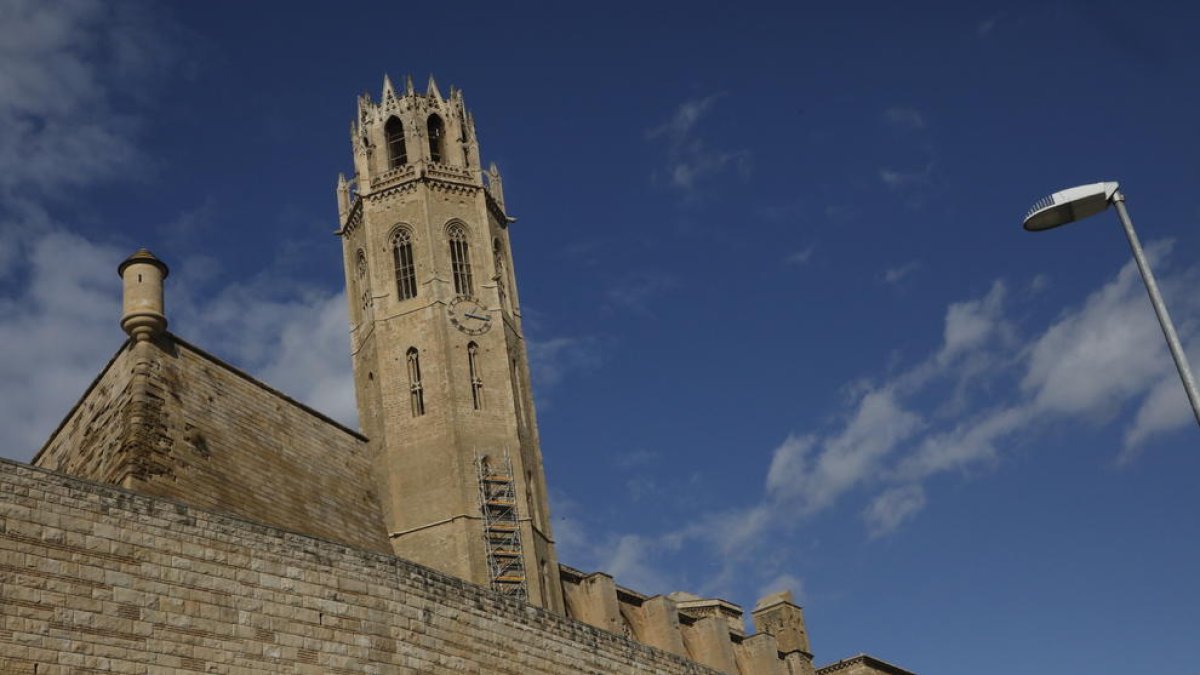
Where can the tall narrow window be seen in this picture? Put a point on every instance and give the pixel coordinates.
(360, 277)
(476, 380)
(402, 259)
(436, 133)
(397, 152)
(501, 276)
(416, 395)
(460, 260)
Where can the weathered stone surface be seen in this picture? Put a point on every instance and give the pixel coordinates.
(439, 387)
(95, 578)
(167, 419)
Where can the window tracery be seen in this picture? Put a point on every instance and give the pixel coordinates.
(402, 261)
(460, 260)
(416, 394)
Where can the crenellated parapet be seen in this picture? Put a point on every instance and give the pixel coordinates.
(709, 631)
(407, 135)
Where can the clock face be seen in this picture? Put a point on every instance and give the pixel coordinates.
(469, 315)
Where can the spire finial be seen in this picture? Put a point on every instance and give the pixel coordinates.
(495, 184)
(388, 90)
(408, 85)
(432, 89)
(343, 196)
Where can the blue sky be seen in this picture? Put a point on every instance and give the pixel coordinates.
(786, 329)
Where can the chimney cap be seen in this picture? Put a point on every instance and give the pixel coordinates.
(143, 255)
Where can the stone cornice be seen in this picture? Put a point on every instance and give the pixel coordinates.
(409, 183)
(495, 209)
(353, 218)
(866, 660)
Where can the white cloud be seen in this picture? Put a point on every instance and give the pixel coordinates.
(59, 327)
(312, 359)
(690, 158)
(904, 118)
(66, 63)
(808, 474)
(636, 291)
(970, 441)
(683, 122)
(891, 508)
(784, 582)
(630, 561)
(894, 275)
(551, 360)
(971, 324)
(896, 434)
(1164, 409)
(1094, 359)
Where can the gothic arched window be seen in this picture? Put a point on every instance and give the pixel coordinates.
(402, 259)
(358, 283)
(460, 259)
(416, 394)
(437, 131)
(476, 380)
(397, 152)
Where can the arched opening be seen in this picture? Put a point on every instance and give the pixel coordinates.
(437, 133)
(402, 260)
(397, 151)
(460, 260)
(416, 394)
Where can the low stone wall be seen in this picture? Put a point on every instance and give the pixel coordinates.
(97, 579)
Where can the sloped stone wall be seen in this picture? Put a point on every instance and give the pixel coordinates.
(167, 419)
(98, 579)
(90, 438)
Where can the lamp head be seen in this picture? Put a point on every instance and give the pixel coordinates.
(1069, 205)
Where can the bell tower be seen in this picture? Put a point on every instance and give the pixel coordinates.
(440, 366)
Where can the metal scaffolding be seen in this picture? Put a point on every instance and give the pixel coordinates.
(501, 526)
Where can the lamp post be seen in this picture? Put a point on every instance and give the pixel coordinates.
(1080, 202)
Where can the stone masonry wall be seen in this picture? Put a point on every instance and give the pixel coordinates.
(98, 579)
(89, 441)
(166, 419)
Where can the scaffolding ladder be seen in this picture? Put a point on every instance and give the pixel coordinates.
(501, 527)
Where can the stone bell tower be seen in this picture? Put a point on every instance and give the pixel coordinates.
(440, 365)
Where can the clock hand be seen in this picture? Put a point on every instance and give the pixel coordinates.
(477, 316)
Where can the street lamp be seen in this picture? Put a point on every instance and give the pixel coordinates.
(1080, 202)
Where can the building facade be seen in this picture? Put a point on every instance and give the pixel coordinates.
(186, 517)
